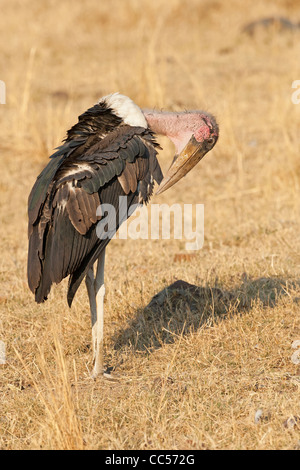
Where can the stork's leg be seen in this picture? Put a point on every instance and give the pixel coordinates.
(98, 326)
(96, 291)
(90, 285)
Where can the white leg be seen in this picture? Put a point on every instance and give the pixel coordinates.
(97, 325)
(90, 285)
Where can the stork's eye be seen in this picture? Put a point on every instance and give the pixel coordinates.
(210, 140)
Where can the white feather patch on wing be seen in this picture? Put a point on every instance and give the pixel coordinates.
(77, 169)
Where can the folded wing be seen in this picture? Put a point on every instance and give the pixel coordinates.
(63, 203)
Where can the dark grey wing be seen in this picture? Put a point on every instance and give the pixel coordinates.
(62, 230)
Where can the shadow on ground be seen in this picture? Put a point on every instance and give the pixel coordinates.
(182, 307)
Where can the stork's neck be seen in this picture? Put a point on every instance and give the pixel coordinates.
(177, 126)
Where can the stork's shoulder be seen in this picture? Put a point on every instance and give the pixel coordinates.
(109, 134)
(111, 113)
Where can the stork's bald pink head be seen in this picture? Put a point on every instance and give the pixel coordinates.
(194, 133)
(207, 130)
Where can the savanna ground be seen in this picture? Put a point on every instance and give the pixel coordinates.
(195, 371)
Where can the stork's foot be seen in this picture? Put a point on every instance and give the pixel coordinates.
(97, 373)
(105, 373)
(109, 375)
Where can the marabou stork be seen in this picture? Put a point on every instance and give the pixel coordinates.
(110, 152)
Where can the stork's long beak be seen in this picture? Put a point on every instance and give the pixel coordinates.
(192, 153)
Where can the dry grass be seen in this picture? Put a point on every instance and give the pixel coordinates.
(193, 372)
